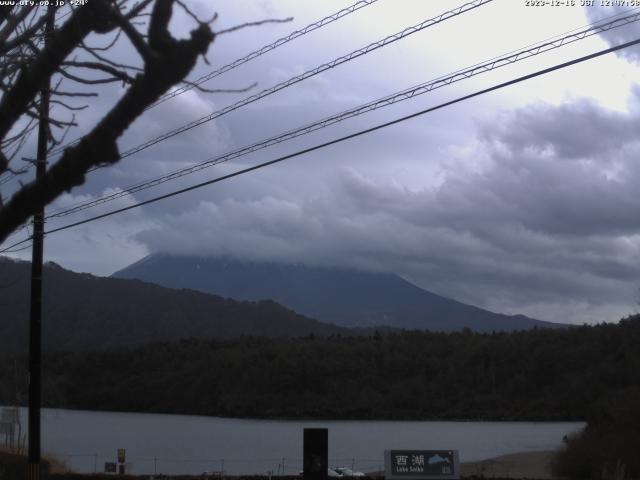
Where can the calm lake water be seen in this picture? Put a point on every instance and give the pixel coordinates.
(175, 444)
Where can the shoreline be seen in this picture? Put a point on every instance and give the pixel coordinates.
(284, 418)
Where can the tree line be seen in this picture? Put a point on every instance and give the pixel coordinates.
(529, 375)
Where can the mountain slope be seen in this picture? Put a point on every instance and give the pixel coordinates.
(82, 312)
(341, 296)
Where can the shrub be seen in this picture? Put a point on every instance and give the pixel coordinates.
(14, 466)
(607, 448)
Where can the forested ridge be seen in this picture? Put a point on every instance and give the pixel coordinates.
(85, 312)
(529, 375)
(342, 296)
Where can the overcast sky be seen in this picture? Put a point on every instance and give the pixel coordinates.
(524, 200)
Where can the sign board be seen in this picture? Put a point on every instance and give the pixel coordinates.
(421, 464)
(121, 455)
(110, 467)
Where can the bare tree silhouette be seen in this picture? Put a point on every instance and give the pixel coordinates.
(72, 55)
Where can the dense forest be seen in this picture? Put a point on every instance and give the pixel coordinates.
(530, 375)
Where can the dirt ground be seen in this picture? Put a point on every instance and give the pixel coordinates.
(55, 465)
(516, 465)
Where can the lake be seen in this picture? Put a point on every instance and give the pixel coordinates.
(184, 444)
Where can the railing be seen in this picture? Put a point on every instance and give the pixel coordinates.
(214, 468)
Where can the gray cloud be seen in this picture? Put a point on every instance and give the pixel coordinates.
(545, 220)
(616, 36)
(576, 130)
(533, 211)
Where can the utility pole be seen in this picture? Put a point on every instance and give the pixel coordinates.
(35, 320)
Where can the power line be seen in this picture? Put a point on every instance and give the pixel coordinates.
(353, 135)
(241, 61)
(267, 48)
(308, 74)
(13, 245)
(496, 62)
(10, 248)
(298, 78)
(16, 250)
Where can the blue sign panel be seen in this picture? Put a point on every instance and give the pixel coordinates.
(421, 464)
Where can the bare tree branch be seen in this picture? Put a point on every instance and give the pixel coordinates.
(170, 63)
(121, 77)
(73, 94)
(253, 24)
(12, 22)
(100, 66)
(66, 106)
(6, 46)
(136, 39)
(109, 45)
(92, 51)
(90, 17)
(5, 12)
(137, 9)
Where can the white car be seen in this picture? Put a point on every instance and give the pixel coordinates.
(330, 473)
(347, 472)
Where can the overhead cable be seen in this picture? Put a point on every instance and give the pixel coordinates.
(353, 135)
(406, 94)
(308, 74)
(298, 78)
(267, 48)
(255, 54)
(11, 248)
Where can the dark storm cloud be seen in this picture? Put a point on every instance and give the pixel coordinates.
(566, 169)
(547, 219)
(617, 36)
(533, 211)
(576, 130)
